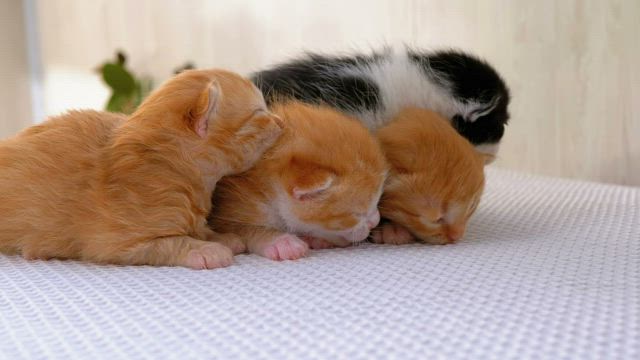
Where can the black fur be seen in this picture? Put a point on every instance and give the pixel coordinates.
(318, 79)
(308, 80)
(470, 79)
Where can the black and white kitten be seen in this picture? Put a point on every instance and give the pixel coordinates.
(374, 88)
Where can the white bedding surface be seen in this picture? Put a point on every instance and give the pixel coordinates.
(549, 269)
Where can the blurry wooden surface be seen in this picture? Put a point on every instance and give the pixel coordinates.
(573, 65)
(15, 98)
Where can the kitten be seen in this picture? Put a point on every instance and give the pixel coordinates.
(109, 189)
(435, 183)
(318, 186)
(374, 88)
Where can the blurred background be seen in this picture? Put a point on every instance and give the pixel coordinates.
(573, 65)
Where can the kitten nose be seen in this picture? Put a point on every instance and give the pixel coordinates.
(453, 237)
(373, 219)
(454, 234)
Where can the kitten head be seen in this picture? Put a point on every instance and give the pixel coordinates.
(218, 107)
(478, 94)
(329, 174)
(436, 177)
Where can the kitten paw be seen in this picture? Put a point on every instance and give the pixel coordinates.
(209, 256)
(437, 240)
(32, 256)
(392, 234)
(285, 247)
(318, 243)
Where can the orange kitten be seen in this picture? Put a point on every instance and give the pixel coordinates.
(435, 183)
(320, 184)
(100, 187)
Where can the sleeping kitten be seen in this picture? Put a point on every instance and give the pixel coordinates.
(318, 186)
(100, 187)
(435, 183)
(374, 88)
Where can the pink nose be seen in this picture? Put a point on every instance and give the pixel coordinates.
(373, 218)
(454, 236)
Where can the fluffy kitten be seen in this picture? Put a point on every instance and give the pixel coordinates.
(435, 183)
(374, 88)
(319, 184)
(100, 187)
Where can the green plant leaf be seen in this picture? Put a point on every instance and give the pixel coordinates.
(119, 103)
(118, 78)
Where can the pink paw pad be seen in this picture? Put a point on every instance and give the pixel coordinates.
(285, 247)
(210, 256)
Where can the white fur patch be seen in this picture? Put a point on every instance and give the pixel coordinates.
(488, 149)
(403, 83)
(453, 212)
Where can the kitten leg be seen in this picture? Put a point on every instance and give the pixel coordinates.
(232, 241)
(33, 255)
(277, 245)
(318, 243)
(392, 234)
(177, 251)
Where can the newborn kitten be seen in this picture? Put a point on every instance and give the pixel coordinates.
(464, 89)
(435, 183)
(319, 185)
(100, 187)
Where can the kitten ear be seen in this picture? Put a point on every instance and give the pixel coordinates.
(204, 109)
(305, 179)
(305, 191)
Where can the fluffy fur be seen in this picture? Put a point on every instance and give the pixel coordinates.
(103, 188)
(318, 186)
(435, 183)
(374, 88)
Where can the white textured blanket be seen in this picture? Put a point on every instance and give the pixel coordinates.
(549, 269)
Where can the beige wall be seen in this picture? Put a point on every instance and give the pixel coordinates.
(15, 101)
(573, 65)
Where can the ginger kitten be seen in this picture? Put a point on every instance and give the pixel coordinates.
(435, 183)
(318, 186)
(105, 188)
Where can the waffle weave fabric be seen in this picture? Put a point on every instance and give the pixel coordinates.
(549, 269)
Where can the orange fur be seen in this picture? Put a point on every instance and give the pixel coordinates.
(321, 181)
(435, 183)
(105, 188)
